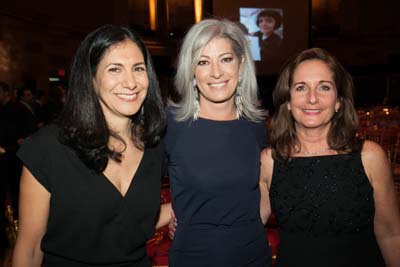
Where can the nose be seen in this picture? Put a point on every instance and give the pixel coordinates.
(129, 81)
(216, 71)
(312, 97)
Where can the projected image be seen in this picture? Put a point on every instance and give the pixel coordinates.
(265, 32)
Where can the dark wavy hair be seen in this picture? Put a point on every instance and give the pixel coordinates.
(82, 122)
(270, 13)
(342, 134)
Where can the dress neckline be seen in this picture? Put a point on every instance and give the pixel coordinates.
(218, 121)
(321, 156)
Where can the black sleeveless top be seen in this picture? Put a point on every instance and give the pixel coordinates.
(324, 207)
(90, 222)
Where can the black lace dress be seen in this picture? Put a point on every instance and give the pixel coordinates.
(324, 208)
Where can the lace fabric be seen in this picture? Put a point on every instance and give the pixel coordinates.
(322, 195)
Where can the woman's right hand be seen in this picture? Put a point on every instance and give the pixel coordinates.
(173, 223)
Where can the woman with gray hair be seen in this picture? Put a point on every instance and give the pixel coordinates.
(214, 138)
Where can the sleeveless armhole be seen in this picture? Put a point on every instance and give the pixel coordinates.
(261, 133)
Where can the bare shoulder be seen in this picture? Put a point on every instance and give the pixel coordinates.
(375, 161)
(372, 151)
(266, 156)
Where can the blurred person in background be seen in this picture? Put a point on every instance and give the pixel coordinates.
(269, 41)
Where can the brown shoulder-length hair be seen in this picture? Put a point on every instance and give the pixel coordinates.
(342, 134)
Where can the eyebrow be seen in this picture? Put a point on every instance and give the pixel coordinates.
(139, 63)
(121, 65)
(223, 54)
(321, 81)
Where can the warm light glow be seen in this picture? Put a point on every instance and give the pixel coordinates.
(316, 4)
(198, 10)
(153, 14)
(5, 60)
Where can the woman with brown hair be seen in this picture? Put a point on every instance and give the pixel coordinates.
(332, 194)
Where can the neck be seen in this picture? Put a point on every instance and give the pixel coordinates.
(313, 143)
(122, 128)
(267, 34)
(218, 111)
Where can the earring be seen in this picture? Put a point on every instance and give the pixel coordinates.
(239, 99)
(196, 103)
(239, 105)
(288, 106)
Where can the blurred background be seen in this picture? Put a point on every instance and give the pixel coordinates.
(39, 38)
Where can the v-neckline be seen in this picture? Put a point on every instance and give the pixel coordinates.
(132, 181)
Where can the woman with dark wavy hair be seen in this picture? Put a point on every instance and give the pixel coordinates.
(90, 186)
(332, 194)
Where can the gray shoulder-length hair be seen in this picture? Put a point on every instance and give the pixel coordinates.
(195, 40)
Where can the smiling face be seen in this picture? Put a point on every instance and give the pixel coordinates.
(266, 25)
(121, 81)
(217, 72)
(313, 96)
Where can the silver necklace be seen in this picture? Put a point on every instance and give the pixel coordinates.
(307, 153)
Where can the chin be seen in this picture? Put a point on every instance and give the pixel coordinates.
(129, 113)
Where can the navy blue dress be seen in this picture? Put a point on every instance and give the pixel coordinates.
(214, 173)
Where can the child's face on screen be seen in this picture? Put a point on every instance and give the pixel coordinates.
(266, 24)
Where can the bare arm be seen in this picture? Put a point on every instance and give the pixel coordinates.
(387, 213)
(165, 215)
(33, 214)
(265, 181)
